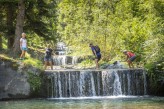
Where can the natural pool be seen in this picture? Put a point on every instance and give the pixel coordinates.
(131, 102)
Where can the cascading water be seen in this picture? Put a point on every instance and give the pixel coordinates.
(74, 60)
(65, 60)
(117, 85)
(87, 83)
(59, 60)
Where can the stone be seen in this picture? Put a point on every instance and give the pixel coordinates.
(14, 82)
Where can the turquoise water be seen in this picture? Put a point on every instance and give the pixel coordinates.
(87, 103)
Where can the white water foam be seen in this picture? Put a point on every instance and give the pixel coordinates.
(95, 97)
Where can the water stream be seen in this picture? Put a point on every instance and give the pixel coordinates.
(128, 102)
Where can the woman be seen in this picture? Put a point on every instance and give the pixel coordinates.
(48, 57)
(23, 46)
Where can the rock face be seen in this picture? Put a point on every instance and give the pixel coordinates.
(14, 80)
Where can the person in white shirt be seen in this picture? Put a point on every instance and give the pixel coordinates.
(23, 45)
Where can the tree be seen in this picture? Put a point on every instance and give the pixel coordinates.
(19, 24)
(10, 22)
(0, 41)
(7, 20)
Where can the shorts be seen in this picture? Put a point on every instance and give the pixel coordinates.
(24, 48)
(132, 58)
(48, 59)
(98, 57)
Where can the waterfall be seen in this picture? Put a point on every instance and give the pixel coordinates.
(117, 85)
(107, 82)
(65, 60)
(59, 85)
(74, 60)
(84, 83)
(69, 81)
(93, 85)
(81, 85)
(59, 60)
(129, 85)
(145, 83)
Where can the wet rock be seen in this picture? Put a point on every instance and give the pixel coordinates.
(115, 65)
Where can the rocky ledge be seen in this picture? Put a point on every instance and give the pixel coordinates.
(18, 80)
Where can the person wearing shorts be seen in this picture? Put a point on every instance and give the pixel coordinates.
(130, 58)
(48, 57)
(23, 46)
(97, 54)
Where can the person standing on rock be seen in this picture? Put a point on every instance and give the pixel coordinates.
(48, 57)
(23, 46)
(97, 54)
(130, 58)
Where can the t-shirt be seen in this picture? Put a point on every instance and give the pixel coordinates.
(48, 52)
(24, 42)
(97, 53)
(130, 54)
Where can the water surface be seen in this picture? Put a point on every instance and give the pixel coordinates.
(87, 103)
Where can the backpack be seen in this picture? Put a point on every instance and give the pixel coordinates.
(97, 49)
(48, 53)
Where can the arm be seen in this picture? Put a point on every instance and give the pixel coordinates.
(26, 44)
(20, 44)
(127, 58)
(94, 52)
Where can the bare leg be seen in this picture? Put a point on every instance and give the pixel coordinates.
(51, 65)
(132, 65)
(22, 54)
(45, 65)
(129, 63)
(97, 65)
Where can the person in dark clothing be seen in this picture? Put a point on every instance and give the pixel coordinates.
(48, 57)
(97, 54)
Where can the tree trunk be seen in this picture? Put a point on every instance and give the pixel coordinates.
(0, 41)
(19, 25)
(10, 21)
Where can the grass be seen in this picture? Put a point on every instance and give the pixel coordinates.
(37, 49)
(28, 60)
(32, 61)
(6, 57)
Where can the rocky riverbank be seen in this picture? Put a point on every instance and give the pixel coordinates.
(18, 80)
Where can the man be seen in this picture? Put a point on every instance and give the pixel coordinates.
(97, 54)
(130, 58)
(48, 57)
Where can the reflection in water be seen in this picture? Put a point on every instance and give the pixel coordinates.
(90, 103)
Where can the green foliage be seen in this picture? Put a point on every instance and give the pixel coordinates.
(4, 43)
(86, 63)
(116, 25)
(32, 61)
(113, 25)
(35, 81)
